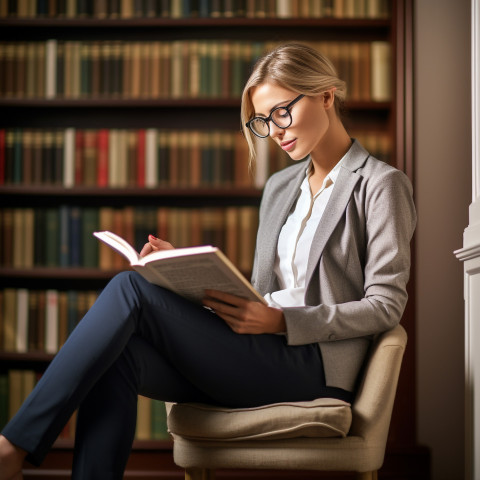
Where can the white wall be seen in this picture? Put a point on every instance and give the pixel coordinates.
(443, 193)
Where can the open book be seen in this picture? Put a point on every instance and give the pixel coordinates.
(186, 271)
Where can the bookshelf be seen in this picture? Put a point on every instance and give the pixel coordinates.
(382, 122)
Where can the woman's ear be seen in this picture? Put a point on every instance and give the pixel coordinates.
(329, 98)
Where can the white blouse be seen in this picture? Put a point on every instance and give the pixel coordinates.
(295, 240)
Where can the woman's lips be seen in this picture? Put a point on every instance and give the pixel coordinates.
(288, 145)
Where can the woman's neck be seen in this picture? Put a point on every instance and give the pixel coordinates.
(328, 155)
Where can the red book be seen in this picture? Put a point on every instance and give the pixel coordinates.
(102, 150)
(79, 157)
(2, 156)
(141, 158)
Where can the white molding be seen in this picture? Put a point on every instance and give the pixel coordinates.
(472, 232)
(468, 253)
(475, 56)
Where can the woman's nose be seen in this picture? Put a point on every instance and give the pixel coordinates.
(276, 131)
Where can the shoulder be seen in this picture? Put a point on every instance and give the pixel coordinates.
(373, 172)
(386, 194)
(378, 175)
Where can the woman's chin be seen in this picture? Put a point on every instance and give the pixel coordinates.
(297, 156)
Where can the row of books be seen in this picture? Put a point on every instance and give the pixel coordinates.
(62, 236)
(132, 158)
(40, 320)
(151, 158)
(16, 385)
(180, 69)
(151, 420)
(126, 9)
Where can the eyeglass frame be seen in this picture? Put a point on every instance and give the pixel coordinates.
(269, 119)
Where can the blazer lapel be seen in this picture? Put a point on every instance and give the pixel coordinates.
(342, 191)
(280, 208)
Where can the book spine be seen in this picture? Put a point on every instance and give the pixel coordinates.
(159, 430)
(51, 69)
(381, 71)
(69, 157)
(21, 330)
(31, 74)
(20, 74)
(9, 320)
(2, 156)
(151, 158)
(51, 322)
(89, 245)
(140, 158)
(4, 417)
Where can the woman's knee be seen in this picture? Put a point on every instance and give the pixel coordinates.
(127, 280)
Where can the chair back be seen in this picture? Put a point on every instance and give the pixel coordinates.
(373, 405)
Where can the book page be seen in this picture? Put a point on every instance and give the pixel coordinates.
(119, 244)
(190, 276)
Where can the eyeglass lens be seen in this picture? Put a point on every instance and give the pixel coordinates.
(280, 117)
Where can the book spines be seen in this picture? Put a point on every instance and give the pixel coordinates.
(183, 69)
(151, 420)
(178, 9)
(16, 385)
(40, 320)
(151, 158)
(119, 158)
(61, 237)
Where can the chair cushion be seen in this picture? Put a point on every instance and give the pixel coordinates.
(324, 417)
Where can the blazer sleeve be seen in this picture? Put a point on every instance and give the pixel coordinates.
(386, 219)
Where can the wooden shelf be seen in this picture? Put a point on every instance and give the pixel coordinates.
(147, 103)
(160, 445)
(60, 191)
(58, 273)
(222, 113)
(25, 358)
(51, 196)
(344, 23)
(267, 29)
(201, 22)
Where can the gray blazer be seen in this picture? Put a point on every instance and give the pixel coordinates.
(358, 265)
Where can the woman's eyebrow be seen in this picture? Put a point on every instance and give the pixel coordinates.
(258, 114)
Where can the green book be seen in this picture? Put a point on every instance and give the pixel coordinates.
(159, 421)
(52, 242)
(3, 400)
(89, 245)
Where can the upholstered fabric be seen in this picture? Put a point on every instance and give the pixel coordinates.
(362, 450)
(324, 417)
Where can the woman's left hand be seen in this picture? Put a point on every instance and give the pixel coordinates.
(245, 316)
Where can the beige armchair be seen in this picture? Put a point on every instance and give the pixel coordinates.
(325, 434)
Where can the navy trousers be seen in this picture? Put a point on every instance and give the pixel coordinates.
(141, 339)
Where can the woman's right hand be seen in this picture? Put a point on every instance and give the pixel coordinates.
(154, 245)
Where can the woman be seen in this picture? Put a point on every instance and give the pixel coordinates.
(332, 260)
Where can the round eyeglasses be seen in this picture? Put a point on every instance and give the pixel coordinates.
(280, 116)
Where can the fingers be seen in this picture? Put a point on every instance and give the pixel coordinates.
(159, 244)
(221, 308)
(225, 298)
(154, 245)
(244, 316)
(147, 248)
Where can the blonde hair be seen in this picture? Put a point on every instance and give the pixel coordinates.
(297, 67)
